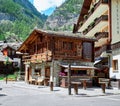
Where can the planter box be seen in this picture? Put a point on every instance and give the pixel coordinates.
(115, 84)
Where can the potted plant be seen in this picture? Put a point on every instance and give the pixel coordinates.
(92, 23)
(81, 23)
(85, 31)
(85, 17)
(92, 9)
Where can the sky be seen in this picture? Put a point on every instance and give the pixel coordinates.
(46, 6)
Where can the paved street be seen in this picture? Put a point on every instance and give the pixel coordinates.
(22, 94)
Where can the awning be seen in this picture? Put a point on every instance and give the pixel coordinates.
(100, 59)
(97, 61)
(74, 67)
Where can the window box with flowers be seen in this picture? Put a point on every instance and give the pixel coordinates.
(81, 23)
(62, 74)
(63, 79)
(85, 17)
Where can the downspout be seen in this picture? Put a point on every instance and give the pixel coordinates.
(110, 36)
(110, 23)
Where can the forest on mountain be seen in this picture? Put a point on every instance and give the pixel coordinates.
(64, 16)
(18, 18)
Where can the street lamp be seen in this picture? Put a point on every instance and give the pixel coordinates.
(6, 64)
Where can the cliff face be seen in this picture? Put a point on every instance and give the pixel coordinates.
(19, 17)
(64, 16)
(5, 16)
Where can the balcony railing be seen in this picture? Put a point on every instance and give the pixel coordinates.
(96, 21)
(37, 58)
(96, 6)
(101, 35)
(99, 52)
(102, 49)
(91, 11)
(116, 46)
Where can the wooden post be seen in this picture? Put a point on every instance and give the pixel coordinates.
(6, 73)
(51, 86)
(84, 84)
(103, 87)
(76, 89)
(69, 79)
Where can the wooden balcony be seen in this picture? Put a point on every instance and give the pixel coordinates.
(106, 48)
(102, 38)
(100, 35)
(96, 11)
(37, 58)
(97, 5)
(116, 46)
(100, 50)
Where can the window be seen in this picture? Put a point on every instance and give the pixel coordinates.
(13, 52)
(9, 52)
(87, 50)
(79, 72)
(68, 45)
(47, 72)
(38, 72)
(115, 65)
(56, 45)
(79, 49)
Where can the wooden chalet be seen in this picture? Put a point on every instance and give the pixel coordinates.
(47, 55)
(8, 57)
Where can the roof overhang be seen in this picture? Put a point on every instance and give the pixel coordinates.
(73, 67)
(97, 13)
(101, 25)
(39, 32)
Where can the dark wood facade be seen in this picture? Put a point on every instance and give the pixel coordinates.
(49, 51)
(57, 46)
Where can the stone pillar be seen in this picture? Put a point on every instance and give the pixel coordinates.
(51, 76)
(43, 71)
(57, 69)
(51, 71)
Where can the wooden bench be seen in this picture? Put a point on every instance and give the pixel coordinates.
(103, 82)
(32, 81)
(84, 81)
(40, 81)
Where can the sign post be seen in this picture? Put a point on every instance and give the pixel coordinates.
(69, 79)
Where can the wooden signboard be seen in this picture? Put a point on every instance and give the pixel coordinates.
(104, 80)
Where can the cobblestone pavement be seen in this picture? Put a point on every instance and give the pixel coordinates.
(59, 90)
(23, 94)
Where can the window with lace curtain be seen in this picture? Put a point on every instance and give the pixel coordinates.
(87, 50)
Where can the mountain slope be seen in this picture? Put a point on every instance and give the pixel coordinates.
(18, 17)
(64, 16)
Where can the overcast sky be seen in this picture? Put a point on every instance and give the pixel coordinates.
(46, 6)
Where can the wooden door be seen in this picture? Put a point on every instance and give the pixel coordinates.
(47, 72)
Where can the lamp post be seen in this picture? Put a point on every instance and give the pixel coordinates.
(69, 79)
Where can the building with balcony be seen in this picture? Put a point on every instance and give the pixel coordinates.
(47, 54)
(8, 54)
(101, 19)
